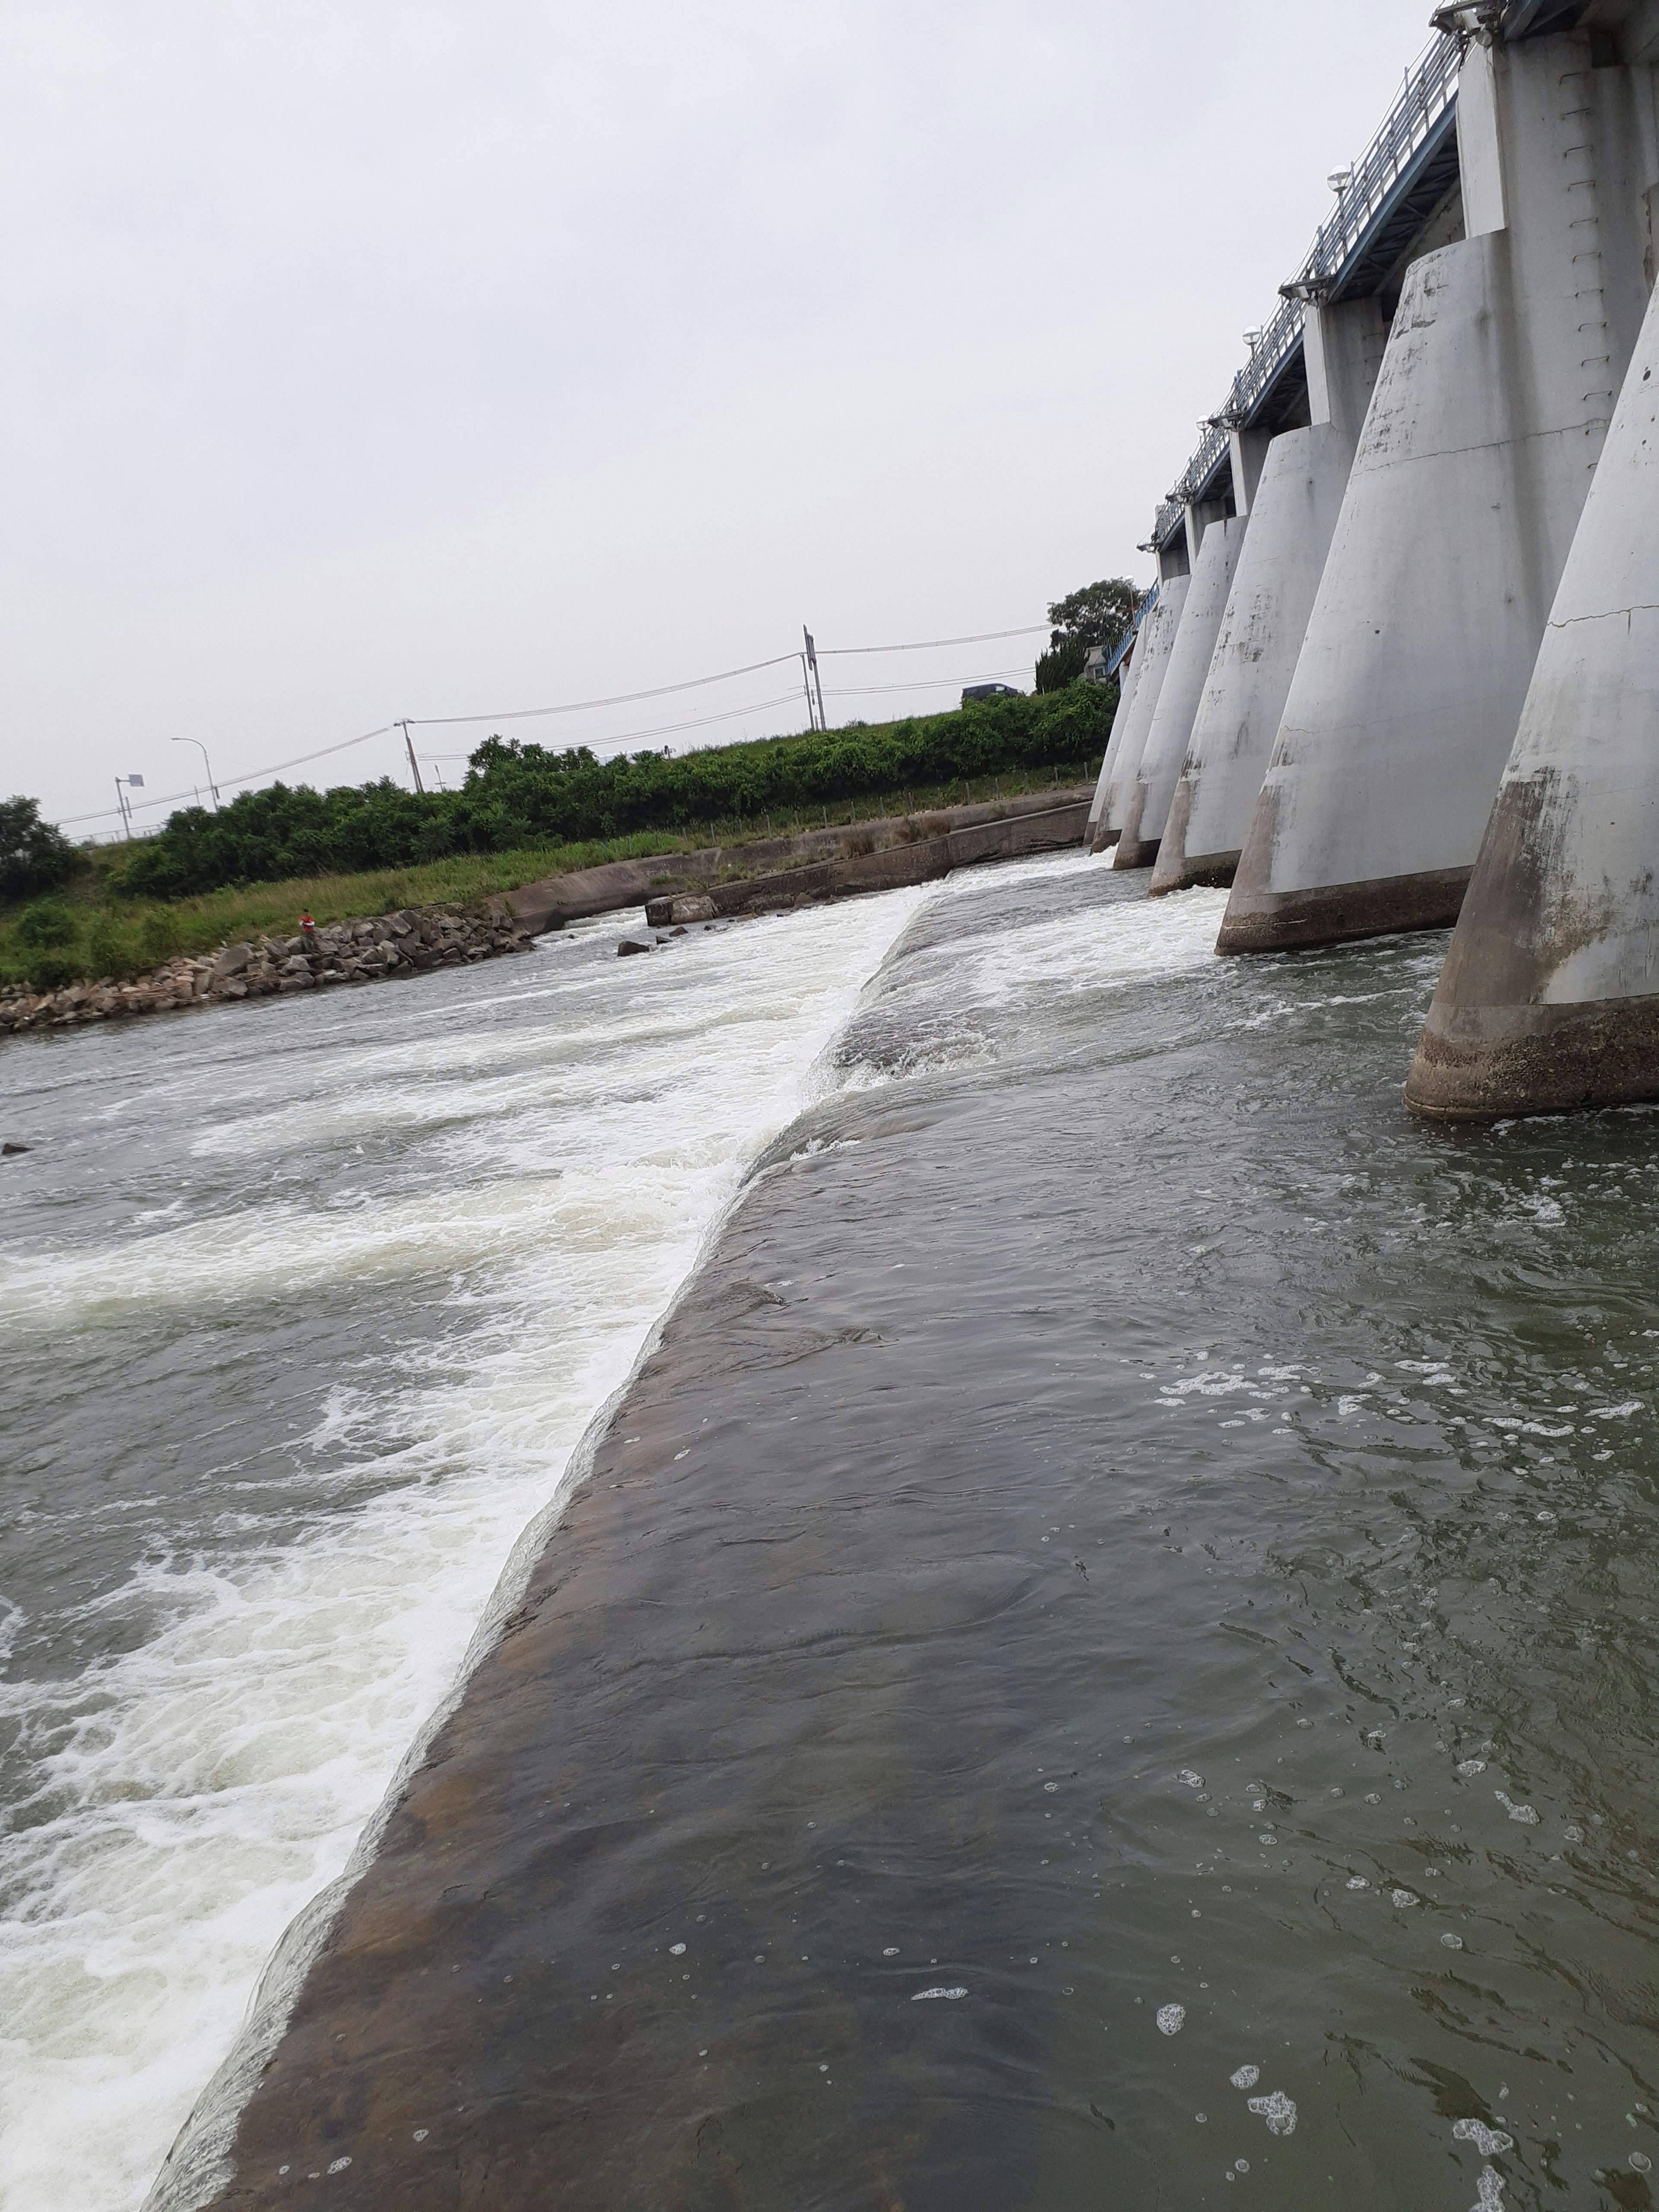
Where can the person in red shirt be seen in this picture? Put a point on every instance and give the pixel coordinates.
(308, 930)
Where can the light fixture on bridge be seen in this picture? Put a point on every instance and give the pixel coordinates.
(1253, 339)
(1339, 180)
(1312, 291)
(1472, 19)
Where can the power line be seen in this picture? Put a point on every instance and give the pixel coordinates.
(931, 644)
(251, 775)
(760, 706)
(667, 729)
(694, 683)
(928, 683)
(583, 706)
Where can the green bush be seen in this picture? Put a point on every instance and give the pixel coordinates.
(522, 795)
(110, 949)
(160, 937)
(48, 970)
(47, 922)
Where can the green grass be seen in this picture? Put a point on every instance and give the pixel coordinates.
(120, 938)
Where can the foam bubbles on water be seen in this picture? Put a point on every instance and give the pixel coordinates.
(1488, 2141)
(1278, 2110)
(1245, 2077)
(1171, 2019)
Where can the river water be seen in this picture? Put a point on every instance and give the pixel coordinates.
(1130, 1591)
(304, 1309)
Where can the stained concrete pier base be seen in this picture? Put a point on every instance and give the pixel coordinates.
(1209, 587)
(1549, 993)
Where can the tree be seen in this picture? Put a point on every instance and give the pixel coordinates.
(1055, 670)
(34, 855)
(1098, 614)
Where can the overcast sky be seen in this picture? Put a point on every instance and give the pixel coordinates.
(364, 361)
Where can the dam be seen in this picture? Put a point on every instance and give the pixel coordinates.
(1404, 635)
(980, 1676)
(636, 1584)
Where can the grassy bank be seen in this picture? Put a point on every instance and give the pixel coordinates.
(102, 933)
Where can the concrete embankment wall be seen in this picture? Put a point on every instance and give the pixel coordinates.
(1014, 837)
(790, 861)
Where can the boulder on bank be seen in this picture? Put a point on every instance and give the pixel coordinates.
(360, 952)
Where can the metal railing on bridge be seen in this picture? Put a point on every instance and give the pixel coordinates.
(1120, 651)
(1429, 94)
(1429, 90)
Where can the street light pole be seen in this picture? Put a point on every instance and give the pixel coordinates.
(206, 763)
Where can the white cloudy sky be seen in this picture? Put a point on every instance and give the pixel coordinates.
(459, 355)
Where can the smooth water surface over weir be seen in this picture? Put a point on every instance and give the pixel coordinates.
(1107, 1658)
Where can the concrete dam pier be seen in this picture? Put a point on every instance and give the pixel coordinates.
(1548, 995)
(1402, 631)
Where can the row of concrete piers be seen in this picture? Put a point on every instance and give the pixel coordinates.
(1402, 668)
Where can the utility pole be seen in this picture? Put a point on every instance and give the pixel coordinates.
(414, 765)
(812, 663)
(806, 686)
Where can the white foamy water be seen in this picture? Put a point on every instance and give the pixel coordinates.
(1132, 941)
(451, 1211)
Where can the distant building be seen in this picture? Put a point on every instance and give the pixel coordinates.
(991, 692)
